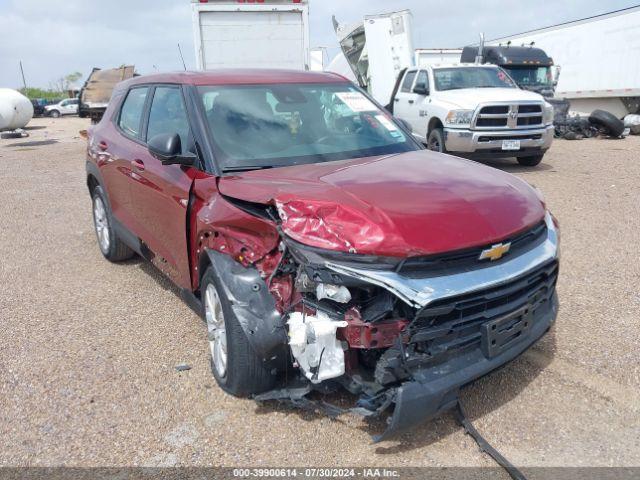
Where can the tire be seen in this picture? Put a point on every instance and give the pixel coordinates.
(530, 161)
(608, 122)
(54, 114)
(111, 246)
(435, 141)
(242, 373)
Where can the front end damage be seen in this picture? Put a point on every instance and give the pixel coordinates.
(401, 334)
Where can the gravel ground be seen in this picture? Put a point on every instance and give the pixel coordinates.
(88, 349)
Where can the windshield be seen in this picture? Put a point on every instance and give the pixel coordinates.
(280, 125)
(531, 76)
(471, 77)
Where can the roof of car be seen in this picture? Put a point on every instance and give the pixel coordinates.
(238, 77)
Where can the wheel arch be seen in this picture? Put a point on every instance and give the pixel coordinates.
(251, 302)
(434, 123)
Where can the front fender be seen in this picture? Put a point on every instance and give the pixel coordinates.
(253, 306)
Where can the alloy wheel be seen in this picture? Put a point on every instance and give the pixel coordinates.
(101, 222)
(216, 329)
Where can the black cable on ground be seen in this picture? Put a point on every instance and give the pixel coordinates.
(462, 419)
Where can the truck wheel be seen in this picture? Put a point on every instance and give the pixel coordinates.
(530, 161)
(235, 366)
(54, 113)
(111, 246)
(435, 141)
(608, 122)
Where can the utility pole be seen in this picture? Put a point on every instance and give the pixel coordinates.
(24, 82)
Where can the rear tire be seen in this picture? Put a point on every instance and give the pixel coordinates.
(530, 161)
(111, 246)
(237, 369)
(608, 122)
(435, 141)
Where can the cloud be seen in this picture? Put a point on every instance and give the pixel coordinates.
(57, 37)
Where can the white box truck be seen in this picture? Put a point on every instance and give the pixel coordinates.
(599, 57)
(251, 34)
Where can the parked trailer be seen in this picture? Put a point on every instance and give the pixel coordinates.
(96, 92)
(378, 49)
(434, 56)
(266, 34)
(599, 57)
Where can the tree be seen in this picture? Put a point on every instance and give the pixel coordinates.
(64, 84)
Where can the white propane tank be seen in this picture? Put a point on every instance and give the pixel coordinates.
(16, 110)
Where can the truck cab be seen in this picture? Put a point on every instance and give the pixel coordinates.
(474, 110)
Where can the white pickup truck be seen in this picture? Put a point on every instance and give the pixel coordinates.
(476, 111)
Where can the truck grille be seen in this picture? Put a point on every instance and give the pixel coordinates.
(509, 116)
(452, 324)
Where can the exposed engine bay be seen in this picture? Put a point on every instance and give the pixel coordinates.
(396, 332)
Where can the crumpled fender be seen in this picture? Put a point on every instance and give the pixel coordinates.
(253, 305)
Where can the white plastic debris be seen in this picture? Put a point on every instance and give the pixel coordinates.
(315, 347)
(632, 122)
(333, 292)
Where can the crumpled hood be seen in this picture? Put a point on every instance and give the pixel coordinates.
(415, 203)
(469, 98)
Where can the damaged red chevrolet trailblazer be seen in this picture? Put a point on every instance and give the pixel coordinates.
(322, 245)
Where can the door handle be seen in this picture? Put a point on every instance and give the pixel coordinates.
(138, 165)
(103, 145)
(396, 99)
(412, 101)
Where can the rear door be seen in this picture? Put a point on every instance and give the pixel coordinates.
(236, 39)
(404, 102)
(115, 144)
(160, 193)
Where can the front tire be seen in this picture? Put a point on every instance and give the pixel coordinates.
(234, 364)
(54, 114)
(435, 141)
(530, 161)
(111, 246)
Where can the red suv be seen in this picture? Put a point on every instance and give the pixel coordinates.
(320, 242)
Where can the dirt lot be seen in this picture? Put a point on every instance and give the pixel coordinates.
(88, 349)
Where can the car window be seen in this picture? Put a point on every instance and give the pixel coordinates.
(63, 103)
(131, 112)
(74, 101)
(423, 79)
(269, 126)
(168, 114)
(408, 82)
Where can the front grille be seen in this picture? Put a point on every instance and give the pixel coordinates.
(491, 138)
(460, 260)
(451, 324)
(509, 116)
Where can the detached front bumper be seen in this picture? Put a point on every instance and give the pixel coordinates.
(489, 142)
(436, 389)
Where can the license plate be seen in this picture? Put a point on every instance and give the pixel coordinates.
(511, 145)
(500, 334)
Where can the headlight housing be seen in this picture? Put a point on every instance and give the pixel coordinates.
(459, 117)
(548, 113)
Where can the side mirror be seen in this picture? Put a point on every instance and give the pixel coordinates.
(404, 123)
(167, 147)
(421, 89)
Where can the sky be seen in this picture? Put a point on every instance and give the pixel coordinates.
(56, 37)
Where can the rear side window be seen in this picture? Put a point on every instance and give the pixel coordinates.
(168, 114)
(408, 82)
(131, 112)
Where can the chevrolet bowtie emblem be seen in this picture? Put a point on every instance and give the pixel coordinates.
(495, 252)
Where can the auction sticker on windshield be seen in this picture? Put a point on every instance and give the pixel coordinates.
(388, 124)
(356, 101)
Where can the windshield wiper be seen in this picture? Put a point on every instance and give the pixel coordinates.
(244, 168)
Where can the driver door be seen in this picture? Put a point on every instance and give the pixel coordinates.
(160, 193)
